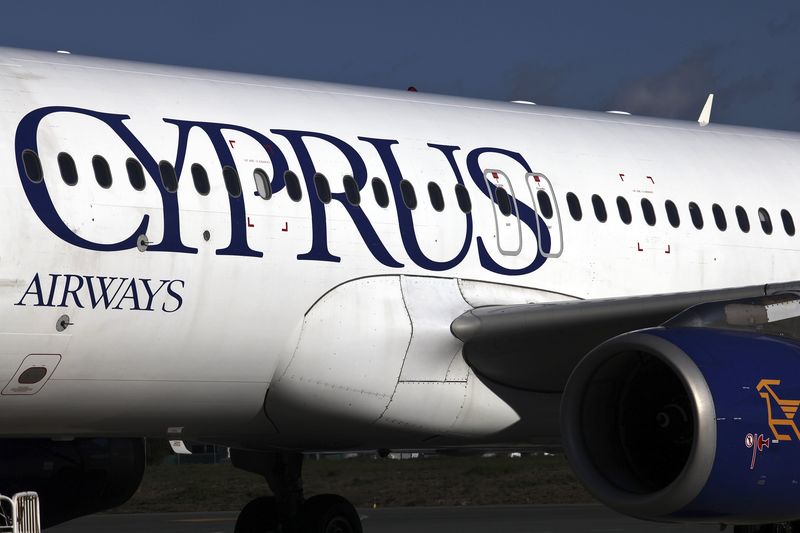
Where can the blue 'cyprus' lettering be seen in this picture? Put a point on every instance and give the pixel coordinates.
(137, 295)
(104, 292)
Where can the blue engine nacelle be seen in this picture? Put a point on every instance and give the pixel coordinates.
(688, 424)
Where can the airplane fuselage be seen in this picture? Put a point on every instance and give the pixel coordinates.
(300, 317)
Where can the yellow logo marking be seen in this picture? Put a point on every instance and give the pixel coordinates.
(787, 407)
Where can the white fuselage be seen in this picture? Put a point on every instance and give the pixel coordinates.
(326, 326)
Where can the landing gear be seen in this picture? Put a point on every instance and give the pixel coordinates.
(288, 511)
(258, 516)
(329, 513)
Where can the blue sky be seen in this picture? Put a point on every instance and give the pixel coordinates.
(646, 57)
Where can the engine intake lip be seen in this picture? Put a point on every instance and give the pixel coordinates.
(691, 480)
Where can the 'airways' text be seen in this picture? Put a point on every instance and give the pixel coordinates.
(105, 292)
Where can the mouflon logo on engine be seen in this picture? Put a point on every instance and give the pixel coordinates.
(783, 415)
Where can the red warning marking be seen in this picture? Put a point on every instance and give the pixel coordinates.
(668, 250)
(757, 442)
(249, 224)
(621, 176)
(639, 247)
(285, 226)
(536, 178)
(231, 142)
(748, 441)
(651, 180)
(495, 176)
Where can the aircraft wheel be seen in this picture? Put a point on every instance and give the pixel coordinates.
(258, 516)
(329, 513)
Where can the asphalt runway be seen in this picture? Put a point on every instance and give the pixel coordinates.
(494, 519)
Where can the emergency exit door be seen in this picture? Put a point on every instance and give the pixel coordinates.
(508, 228)
(549, 216)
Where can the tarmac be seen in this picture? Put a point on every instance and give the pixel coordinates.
(479, 519)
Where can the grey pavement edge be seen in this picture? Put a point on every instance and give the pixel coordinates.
(497, 519)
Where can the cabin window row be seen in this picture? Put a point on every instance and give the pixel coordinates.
(352, 192)
(673, 215)
(169, 179)
(135, 172)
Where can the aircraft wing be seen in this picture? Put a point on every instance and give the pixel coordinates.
(536, 346)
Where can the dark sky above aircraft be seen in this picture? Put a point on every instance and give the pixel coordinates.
(649, 58)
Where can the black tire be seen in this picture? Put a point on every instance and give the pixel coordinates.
(258, 516)
(329, 513)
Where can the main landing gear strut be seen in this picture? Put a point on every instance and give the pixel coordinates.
(288, 511)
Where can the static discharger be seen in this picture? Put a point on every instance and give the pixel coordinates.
(705, 114)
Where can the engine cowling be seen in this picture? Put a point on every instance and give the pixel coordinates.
(73, 478)
(688, 424)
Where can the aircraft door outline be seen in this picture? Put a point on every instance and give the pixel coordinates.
(542, 183)
(506, 231)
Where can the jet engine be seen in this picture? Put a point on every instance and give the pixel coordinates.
(73, 478)
(695, 420)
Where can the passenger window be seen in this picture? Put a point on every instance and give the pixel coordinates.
(33, 166)
(380, 192)
(744, 221)
(293, 186)
(168, 177)
(437, 199)
(624, 210)
(66, 165)
(135, 174)
(574, 206)
(719, 217)
(503, 201)
(672, 213)
(409, 195)
(462, 197)
(599, 208)
(545, 205)
(766, 222)
(788, 222)
(648, 212)
(263, 186)
(351, 190)
(323, 188)
(200, 179)
(102, 172)
(232, 183)
(696, 214)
